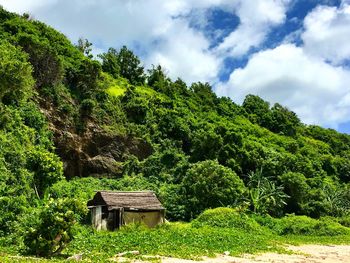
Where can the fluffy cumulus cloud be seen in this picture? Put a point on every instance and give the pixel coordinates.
(310, 79)
(257, 17)
(327, 31)
(315, 90)
(184, 52)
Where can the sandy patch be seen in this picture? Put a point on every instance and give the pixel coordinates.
(303, 254)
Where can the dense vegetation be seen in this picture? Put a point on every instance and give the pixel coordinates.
(194, 149)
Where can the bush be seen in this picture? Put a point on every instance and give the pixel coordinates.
(303, 225)
(208, 184)
(226, 218)
(344, 220)
(87, 106)
(48, 229)
(47, 169)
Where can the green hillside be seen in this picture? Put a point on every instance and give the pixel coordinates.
(70, 125)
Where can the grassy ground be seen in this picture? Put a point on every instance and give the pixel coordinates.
(213, 232)
(174, 240)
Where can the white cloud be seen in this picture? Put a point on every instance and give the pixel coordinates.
(257, 18)
(184, 53)
(309, 79)
(316, 91)
(327, 32)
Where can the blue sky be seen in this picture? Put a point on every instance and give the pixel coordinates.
(295, 52)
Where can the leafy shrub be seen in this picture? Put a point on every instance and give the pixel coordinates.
(87, 106)
(208, 184)
(11, 208)
(15, 73)
(226, 218)
(49, 228)
(47, 168)
(303, 225)
(344, 221)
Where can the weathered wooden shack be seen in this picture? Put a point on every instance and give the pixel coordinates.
(110, 210)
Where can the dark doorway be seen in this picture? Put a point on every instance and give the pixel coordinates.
(115, 221)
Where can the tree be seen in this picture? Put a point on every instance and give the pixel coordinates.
(283, 121)
(123, 63)
(204, 93)
(130, 66)
(296, 187)
(15, 73)
(258, 110)
(158, 79)
(206, 144)
(208, 184)
(85, 47)
(110, 63)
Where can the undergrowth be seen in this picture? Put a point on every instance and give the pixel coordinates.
(213, 232)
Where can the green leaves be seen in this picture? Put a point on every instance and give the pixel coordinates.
(15, 74)
(50, 228)
(123, 63)
(47, 169)
(208, 184)
(264, 195)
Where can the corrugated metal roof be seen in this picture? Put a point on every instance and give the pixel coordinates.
(137, 200)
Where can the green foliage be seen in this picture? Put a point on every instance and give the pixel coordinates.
(344, 221)
(226, 218)
(15, 73)
(278, 119)
(123, 63)
(44, 59)
(50, 228)
(85, 47)
(283, 121)
(302, 225)
(47, 169)
(257, 108)
(186, 144)
(295, 185)
(87, 106)
(158, 80)
(110, 63)
(208, 184)
(174, 240)
(264, 195)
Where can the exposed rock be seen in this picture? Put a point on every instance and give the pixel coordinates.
(77, 257)
(93, 151)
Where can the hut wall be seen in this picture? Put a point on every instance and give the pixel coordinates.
(96, 217)
(151, 219)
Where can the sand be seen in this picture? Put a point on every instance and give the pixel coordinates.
(301, 254)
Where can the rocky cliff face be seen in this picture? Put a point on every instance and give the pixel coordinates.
(93, 152)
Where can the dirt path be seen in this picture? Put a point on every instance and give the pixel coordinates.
(302, 254)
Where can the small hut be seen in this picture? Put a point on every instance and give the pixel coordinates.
(110, 210)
